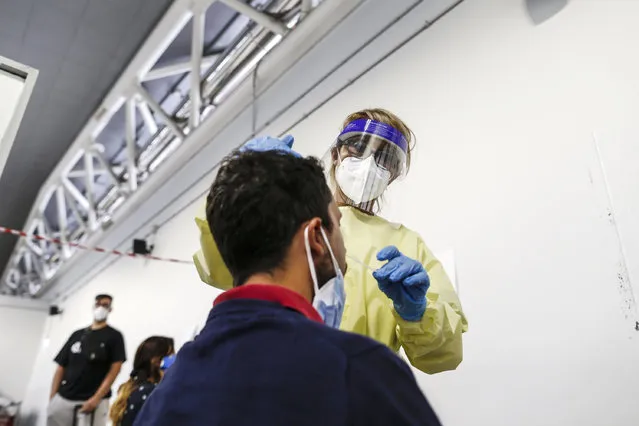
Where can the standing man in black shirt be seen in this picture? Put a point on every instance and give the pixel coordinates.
(87, 366)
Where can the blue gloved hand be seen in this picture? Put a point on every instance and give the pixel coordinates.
(167, 361)
(404, 281)
(268, 143)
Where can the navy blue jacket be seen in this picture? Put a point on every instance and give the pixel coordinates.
(264, 358)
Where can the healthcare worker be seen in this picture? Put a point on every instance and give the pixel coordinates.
(408, 301)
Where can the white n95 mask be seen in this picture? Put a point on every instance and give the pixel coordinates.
(328, 300)
(361, 180)
(100, 313)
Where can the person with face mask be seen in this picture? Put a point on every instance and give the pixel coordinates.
(270, 352)
(408, 301)
(88, 364)
(153, 357)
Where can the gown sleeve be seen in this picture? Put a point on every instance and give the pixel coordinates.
(434, 344)
(208, 260)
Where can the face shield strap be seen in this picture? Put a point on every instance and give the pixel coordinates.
(375, 128)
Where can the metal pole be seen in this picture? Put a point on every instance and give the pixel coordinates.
(197, 47)
(62, 220)
(159, 111)
(90, 190)
(180, 68)
(77, 174)
(147, 116)
(261, 18)
(95, 152)
(13, 278)
(75, 193)
(131, 147)
(43, 230)
(76, 212)
(30, 243)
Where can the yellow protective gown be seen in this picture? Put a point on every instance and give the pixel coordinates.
(432, 345)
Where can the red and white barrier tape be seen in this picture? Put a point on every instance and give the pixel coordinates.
(23, 234)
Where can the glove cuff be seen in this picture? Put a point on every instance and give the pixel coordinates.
(415, 314)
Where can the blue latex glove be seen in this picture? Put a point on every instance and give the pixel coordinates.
(404, 281)
(268, 143)
(167, 361)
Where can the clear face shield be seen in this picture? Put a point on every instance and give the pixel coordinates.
(366, 157)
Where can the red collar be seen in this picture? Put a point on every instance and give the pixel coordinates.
(271, 293)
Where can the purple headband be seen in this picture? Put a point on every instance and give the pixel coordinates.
(372, 127)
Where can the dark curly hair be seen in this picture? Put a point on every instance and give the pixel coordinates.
(257, 204)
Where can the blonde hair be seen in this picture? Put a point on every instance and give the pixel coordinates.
(119, 406)
(383, 116)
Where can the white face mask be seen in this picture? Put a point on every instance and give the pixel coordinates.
(100, 313)
(361, 180)
(328, 300)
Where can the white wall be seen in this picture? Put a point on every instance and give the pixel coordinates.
(21, 326)
(507, 175)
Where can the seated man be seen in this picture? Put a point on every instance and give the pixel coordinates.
(266, 356)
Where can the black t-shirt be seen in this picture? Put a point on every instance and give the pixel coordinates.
(134, 403)
(87, 357)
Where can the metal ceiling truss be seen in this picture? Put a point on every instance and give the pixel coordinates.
(87, 187)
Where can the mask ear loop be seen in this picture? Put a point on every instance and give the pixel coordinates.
(339, 157)
(311, 264)
(330, 250)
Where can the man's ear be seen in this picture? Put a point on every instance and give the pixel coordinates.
(315, 238)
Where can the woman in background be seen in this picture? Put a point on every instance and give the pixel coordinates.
(153, 356)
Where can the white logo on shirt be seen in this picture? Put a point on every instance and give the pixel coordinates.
(76, 348)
